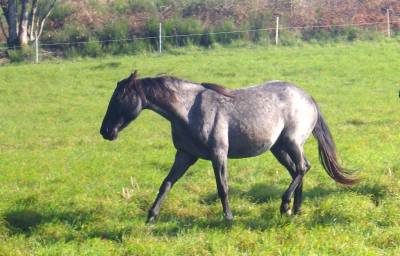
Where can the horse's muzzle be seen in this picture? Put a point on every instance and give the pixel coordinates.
(109, 134)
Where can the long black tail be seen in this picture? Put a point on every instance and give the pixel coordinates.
(327, 153)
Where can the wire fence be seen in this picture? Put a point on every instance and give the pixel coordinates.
(161, 37)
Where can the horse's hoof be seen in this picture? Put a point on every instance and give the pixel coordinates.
(229, 217)
(285, 209)
(297, 211)
(151, 220)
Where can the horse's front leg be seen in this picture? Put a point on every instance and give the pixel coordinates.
(220, 161)
(182, 162)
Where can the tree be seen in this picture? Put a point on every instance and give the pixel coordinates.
(22, 20)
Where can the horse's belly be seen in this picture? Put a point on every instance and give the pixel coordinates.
(253, 141)
(248, 149)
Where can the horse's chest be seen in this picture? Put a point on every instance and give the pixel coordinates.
(185, 141)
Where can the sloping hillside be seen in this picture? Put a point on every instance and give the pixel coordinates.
(95, 15)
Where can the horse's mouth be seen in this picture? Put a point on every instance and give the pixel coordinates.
(110, 138)
(109, 135)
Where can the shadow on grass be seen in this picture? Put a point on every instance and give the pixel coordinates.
(26, 218)
(270, 217)
(359, 122)
(261, 193)
(106, 65)
(258, 194)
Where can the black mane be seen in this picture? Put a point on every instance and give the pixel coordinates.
(155, 89)
(219, 89)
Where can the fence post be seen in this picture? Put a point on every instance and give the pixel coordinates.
(291, 7)
(388, 22)
(36, 48)
(277, 31)
(160, 38)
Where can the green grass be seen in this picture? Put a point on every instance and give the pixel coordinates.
(61, 183)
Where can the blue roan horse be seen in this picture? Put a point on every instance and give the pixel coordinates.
(214, 123)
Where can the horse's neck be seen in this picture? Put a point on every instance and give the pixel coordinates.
(178, 109)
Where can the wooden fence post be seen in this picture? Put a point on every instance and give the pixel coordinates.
(160, 38)
(36, 48)
(277, 31)
(388, 22)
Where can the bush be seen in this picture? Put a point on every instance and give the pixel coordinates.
(257, 22)
(142, 5)
(206, 39)
(127, 47)
(289, 38)
(371, 35)
(92, 49)
(319, 34)
(72, 53)
(71, 32)
(60, 12)
(115, 30)
(179, 26)
(331, 34)
(351, 34)
(223, 35)
(123, 6)
(151, 29)
(21, 55)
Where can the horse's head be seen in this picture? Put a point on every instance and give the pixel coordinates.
(125, 105)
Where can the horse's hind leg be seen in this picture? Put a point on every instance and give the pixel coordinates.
(298, 193)
(182, 162)
(284, 158)
(285, 153)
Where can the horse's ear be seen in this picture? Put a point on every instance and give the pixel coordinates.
(132, 79)
(134, 75)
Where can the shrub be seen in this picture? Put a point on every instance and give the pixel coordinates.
(60, 12)
(127, 47)
(115, 30)
(257, 22)
(124, 6)
(71, 32)
(151, 29)
(92, 49)
(179, 26)
(207, 39)
(142, 5)
(26, 54)
(71, 53)
(223, 35)
(289, 38)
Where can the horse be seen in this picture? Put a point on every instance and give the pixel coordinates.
(211, 122)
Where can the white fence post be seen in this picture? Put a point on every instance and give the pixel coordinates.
(160, 38)
(36, 48)
(388, 22)
(277, 31)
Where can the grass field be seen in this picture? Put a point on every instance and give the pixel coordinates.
(61, 183)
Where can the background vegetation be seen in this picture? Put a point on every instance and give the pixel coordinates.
(61, 183)
(74, 21)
